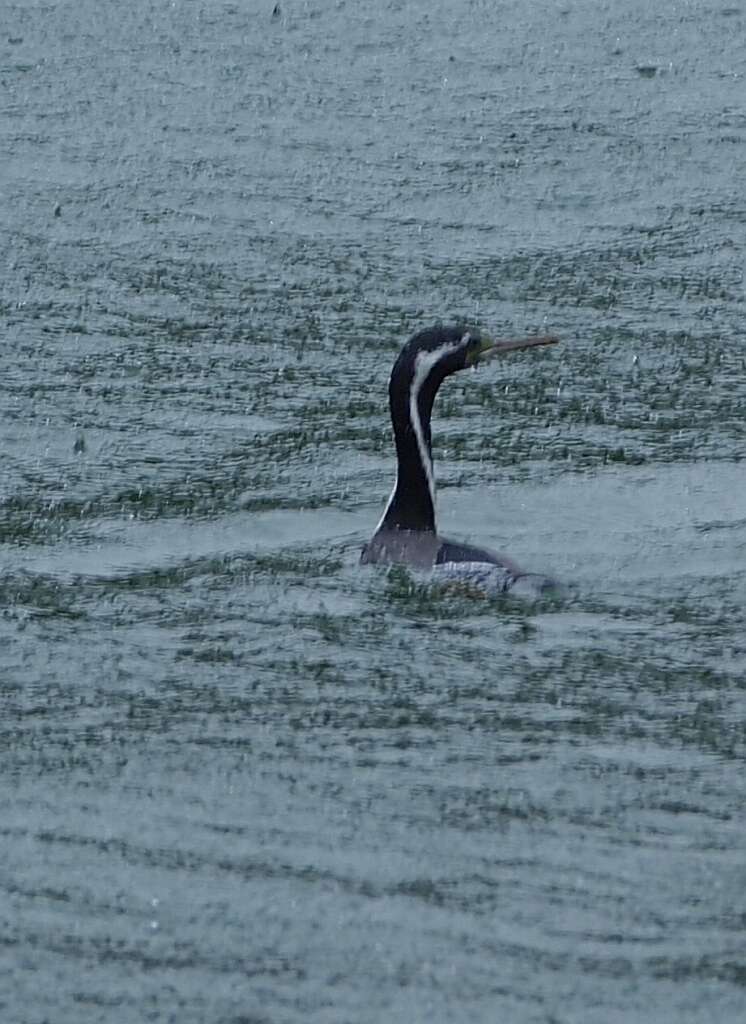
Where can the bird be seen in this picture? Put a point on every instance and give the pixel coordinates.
(406, 533)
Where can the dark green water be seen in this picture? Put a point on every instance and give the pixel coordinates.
(245, 780)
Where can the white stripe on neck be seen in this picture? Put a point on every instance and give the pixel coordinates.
(423, 364)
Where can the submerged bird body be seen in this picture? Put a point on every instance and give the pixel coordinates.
(407, 533)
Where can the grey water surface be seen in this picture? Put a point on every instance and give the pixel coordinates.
(244, 779)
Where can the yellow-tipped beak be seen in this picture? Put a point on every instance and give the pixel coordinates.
(490, 347)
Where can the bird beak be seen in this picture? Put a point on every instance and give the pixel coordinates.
(490, 347)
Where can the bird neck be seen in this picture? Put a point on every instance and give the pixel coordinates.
(412, 502)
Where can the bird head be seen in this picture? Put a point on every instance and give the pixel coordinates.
(437, 352)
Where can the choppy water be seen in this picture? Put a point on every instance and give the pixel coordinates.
(243, 779)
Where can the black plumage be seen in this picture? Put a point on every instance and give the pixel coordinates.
(407, 531)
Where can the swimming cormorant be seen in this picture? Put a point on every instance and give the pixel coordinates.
(406, 533)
